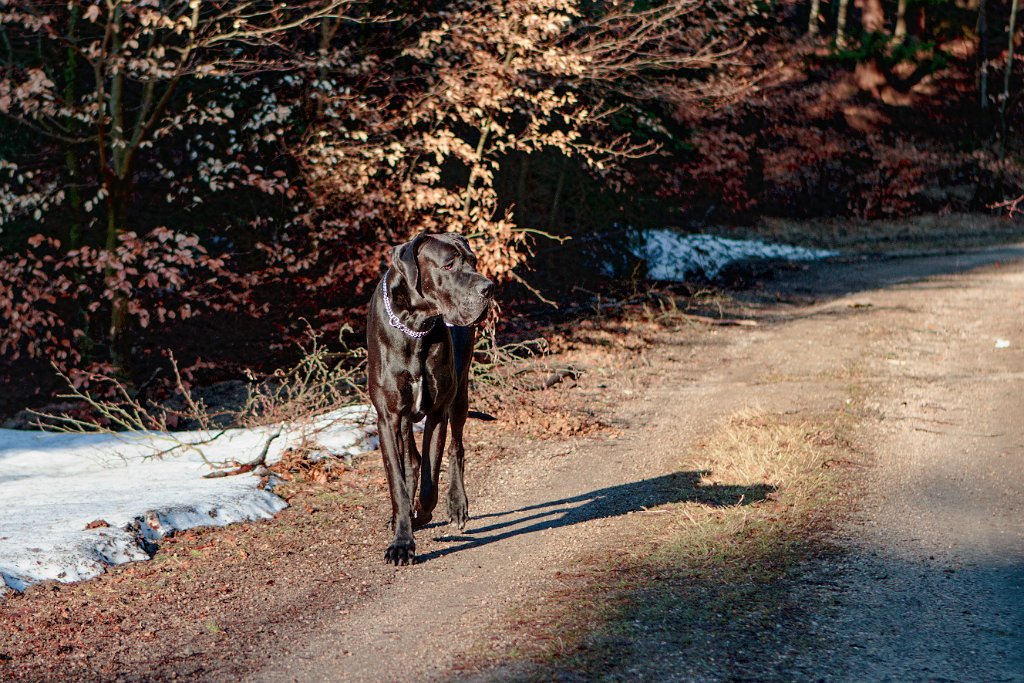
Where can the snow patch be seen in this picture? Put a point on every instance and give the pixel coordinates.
(52, 486)
(677, 257)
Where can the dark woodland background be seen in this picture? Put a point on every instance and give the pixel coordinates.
(212, 180)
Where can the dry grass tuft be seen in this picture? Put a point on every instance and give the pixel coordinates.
(785, 452)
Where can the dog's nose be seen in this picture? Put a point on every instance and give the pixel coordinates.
(486, 289)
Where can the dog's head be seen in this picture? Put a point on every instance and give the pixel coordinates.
(440, 271)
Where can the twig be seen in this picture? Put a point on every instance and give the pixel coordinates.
(533, 290)
(557, 376)
(261, 459)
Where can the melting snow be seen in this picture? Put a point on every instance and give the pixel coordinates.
(677, 257)
(53, 485)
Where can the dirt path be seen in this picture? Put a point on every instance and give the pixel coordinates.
(924, 582)
(931, 587)
(528, 520)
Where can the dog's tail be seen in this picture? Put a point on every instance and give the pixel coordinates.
(477, 415)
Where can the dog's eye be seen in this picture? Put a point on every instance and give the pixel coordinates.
(449, 266)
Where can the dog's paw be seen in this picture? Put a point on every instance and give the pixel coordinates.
(459, 521)
(401, 552)
(458, 512)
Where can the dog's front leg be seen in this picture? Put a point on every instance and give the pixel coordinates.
(398, 451)
(435, 432)
(412, 469)
(458, 504)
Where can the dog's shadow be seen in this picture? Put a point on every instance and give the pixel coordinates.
(612, 501)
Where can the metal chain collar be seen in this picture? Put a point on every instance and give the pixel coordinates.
(393, 319)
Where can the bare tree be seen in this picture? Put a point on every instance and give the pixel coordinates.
(127, 69)
(492, 82)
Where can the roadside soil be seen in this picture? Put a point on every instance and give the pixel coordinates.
(830, 491)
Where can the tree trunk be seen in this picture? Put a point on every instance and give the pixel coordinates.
(74, 198)
(522, 189)
(118, 183)
(120, 327)
(70, 152)
(328, 30)
(872, 15)
(1004, 104)
(557, 199)
(900, 32)
(983, 55)
(844, 6)
(812, 22)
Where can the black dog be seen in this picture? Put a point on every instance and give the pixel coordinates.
(420, 343)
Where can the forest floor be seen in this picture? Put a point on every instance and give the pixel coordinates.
(817, 476)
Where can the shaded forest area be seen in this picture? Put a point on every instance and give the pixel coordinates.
(211, 179)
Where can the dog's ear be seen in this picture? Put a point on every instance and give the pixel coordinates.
(403, 259)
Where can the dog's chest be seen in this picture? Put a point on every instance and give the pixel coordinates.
(433, 387)
(418, 404)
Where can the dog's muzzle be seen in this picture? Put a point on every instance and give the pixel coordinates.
(474, 306)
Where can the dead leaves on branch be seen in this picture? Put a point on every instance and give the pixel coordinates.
(488, 82)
